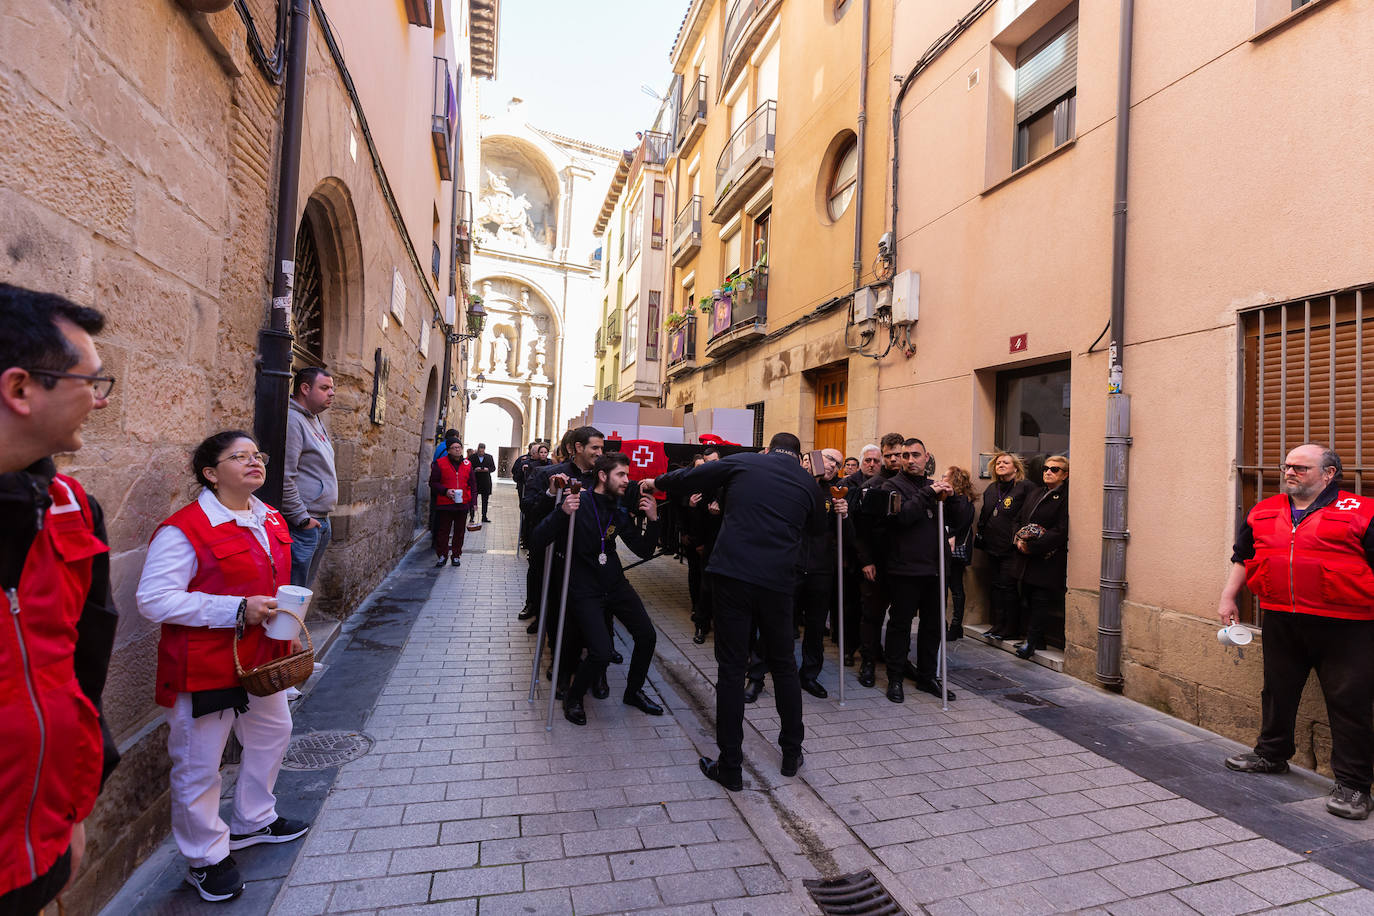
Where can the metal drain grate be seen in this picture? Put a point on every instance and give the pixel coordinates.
(1029, 699)
(982, 679)
(858, 894)
(321, 750)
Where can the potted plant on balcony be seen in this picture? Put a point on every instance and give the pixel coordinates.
(674, 321)
(706, 303)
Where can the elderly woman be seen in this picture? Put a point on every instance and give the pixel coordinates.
(212, 566)
(996, 526)
(1042, 544)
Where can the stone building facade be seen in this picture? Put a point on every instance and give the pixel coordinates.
(139, 161)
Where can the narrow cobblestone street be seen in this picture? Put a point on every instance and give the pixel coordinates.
(466, 804)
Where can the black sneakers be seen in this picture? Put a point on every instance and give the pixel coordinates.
(1348, 803)
(217, 882)
(281, 830)
(1254, 763)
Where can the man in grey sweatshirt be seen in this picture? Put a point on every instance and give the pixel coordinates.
(310, 486)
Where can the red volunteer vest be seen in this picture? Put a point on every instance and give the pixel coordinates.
(229, 561)
(454, 478)
(1317, 568)
(51, 750)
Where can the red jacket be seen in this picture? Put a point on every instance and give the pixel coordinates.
(229, 561)
(1317, 567)
(444, 476)
(52, 754)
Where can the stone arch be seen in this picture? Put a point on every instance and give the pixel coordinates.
(519, 199)
(536, 291)
(497, 421)
(330, 217)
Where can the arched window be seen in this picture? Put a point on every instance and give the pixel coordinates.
(307, 302)
(843, 176)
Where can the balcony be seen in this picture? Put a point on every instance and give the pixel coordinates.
(420, 12)
(654, 148)
(746, 162)
(464, 233)
(745, 25)
(600, 343)
(739, 313)
(691, 118)
(613, 326)
(687, 232)
(608, 392)
(445, 120)
(682, 347)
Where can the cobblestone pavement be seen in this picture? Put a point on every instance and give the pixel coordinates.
(466, 804)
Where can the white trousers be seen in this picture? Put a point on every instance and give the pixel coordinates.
(196, 746)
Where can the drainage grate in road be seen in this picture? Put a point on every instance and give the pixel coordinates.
(321, 750)
(859, 894)
(1028, 699)
(983, 679)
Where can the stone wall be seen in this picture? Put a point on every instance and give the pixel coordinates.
(138, 170)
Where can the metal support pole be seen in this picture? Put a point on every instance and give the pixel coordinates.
(562, 608)
(543, 615)
(839, 617)
(943, 667)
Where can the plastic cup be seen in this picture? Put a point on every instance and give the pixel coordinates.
(291, 598)
(1235, 635)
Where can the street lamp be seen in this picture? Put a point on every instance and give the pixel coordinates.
(470, 393)
(477, 317)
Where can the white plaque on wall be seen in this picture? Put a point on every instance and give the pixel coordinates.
(398, 296)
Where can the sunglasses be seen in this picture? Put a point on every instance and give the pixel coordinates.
(1054, 468)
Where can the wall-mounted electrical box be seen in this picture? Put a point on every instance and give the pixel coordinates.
(906, 297)
(865, 305)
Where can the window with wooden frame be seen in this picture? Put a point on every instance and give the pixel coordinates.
(651, 324)
(656, 229)
(1305, 376)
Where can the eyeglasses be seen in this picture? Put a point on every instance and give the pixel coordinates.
(1055, 469)
(246, 458)
(1295, 468)
(101, 385)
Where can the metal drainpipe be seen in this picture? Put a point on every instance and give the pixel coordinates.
(860, 145)
(452, 268)
(273, 387)
(1112, 584)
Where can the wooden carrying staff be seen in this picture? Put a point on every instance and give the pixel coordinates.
(573, 488)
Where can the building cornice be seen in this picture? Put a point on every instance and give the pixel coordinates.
(484, 20)
(693, 23)
(618, 180)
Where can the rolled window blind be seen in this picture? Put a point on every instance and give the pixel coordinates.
(1048, 70)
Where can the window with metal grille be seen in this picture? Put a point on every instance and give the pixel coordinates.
(1046, 87)
(757, 408)
(1304, 370)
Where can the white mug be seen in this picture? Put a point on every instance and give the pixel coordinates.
(1235, 635)
(291, 598)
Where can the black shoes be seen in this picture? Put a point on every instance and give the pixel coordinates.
(527, 613)
(867, 676)
(813, 687)
(601, 689)
(894, 691)
(485, 519)
(443, 561)
(1025, 650)
(791, 763)
(1348, 803)
(752, 688)
(1254, 763)
(993, 636)
(217, 882)
(574, 712)
(932, 685)
(640, 700)
(699, 636)
(617, 658)
(909, 671)
(457, 561)
(711, 770)
(955, 631)
(282, 830)
(533, 627)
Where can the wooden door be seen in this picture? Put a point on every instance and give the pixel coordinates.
(832, 396)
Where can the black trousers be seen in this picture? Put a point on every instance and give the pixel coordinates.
(449, 531)
(29, 899)
(872, 609)
(1040, 603)
(815, 595)
(954, 581)
(1004, 594)
(572, 635)
(590, 616)
(1340, 651)
(740, 607)
(486, 498)
(914, 597)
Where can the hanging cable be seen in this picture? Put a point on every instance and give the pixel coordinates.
(273, 66)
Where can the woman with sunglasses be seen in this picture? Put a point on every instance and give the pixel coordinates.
(1042, 545)
(213, 566)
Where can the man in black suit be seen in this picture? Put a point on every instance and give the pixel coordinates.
(483, 470)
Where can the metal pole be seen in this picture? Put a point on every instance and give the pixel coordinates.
(543, 613)
(839, 616)
(943, 667)
(562, 608)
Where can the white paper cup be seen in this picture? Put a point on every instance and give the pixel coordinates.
(1235, 635)
(291, 598)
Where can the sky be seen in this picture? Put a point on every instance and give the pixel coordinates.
(579, 65)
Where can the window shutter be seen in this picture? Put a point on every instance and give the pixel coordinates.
(1047, 69)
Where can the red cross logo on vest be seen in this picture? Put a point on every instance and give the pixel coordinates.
(1348, 504)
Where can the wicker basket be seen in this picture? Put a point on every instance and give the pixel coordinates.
(278, 674)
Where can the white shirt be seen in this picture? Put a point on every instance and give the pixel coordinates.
(171, 564)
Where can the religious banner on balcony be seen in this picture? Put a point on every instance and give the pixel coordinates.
(720, 314)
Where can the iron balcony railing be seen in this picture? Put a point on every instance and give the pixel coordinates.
(608, 392)
(445, 119)
(654, 148)
(682, 343)
(600, 342)
(687, 227)
(693, 110)
(753, 141)
(613, 326)
(464, 234)
(743, 301)
(741, 16)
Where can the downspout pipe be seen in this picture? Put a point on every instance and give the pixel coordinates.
(453, 218)
(1115, 479)
(273, 387)
(862, 125)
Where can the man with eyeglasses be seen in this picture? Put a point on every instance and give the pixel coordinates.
(310, 485)
(55, 574)
(1307, 554)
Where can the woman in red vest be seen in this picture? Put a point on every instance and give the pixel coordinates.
(214, 565)
(450, 482)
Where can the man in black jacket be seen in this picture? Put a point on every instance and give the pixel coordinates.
(50, 380)
(871, 529)
(770, 505)
(913, 575)
(597, 584)
(483, 473)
